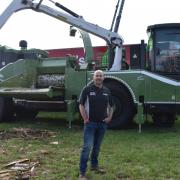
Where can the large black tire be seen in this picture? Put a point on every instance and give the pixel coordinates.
(164, 120)
(6, 109)
(124, 109)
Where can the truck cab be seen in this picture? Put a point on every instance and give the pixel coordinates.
(163, 50)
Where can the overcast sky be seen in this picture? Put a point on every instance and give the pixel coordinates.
(46, 32)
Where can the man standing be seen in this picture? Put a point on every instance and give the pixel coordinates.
(96, 109)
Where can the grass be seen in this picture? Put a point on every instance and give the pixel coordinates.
(125, 154)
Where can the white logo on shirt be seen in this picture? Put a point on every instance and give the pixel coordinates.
(92, 93)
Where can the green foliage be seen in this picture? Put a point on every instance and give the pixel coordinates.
(125, 154)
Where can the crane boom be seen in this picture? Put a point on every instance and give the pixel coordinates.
(77, 21)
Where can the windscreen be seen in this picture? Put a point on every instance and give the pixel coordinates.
(168, 51)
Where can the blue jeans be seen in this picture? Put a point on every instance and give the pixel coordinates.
(93, 136)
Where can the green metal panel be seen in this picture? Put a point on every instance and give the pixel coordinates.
(74, 82)
(153, 87)
(52, 65)
(129, 79)
(159, 88)
(161, 91)
(178, 93)
(21, 73)
(133, 80)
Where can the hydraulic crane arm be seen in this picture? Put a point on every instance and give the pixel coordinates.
(110, 37)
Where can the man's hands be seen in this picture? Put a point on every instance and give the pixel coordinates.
(110, 114)
(86, 118)
(83, 114)
(86, 121)
(107, 120)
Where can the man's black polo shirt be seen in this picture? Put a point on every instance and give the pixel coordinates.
(96, 101)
